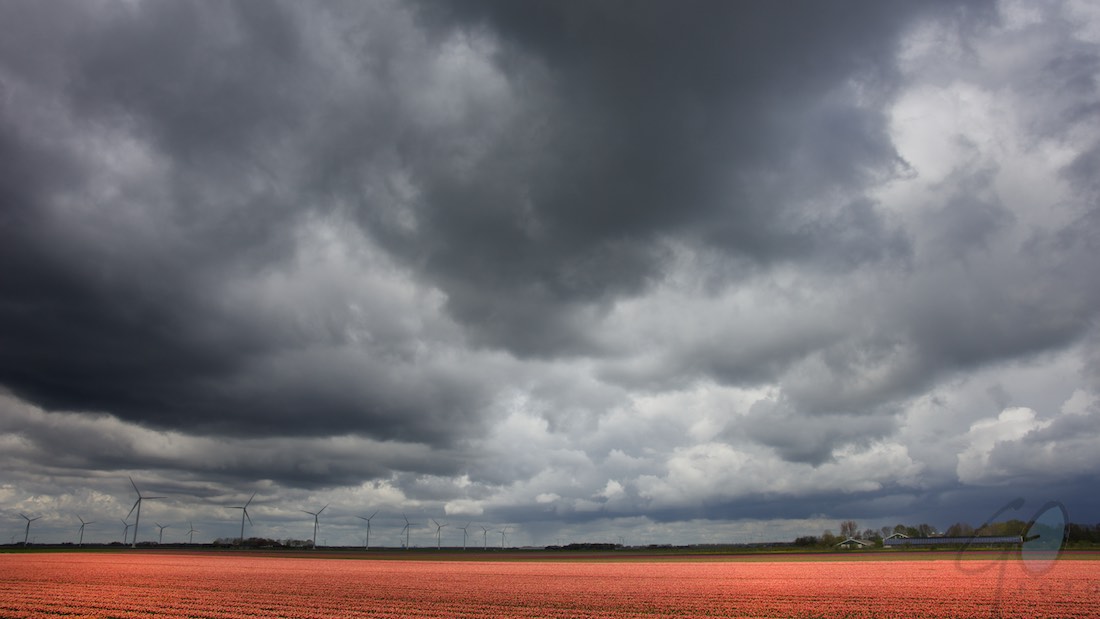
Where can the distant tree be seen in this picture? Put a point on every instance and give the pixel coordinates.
(901, 528)
(1009, 527)
(849, 528)
(1083, 533)
(886, 531)
(869, 534)
(806, 540)
(959, 529)
(925, 530)
(1015, 527)
(827, 538)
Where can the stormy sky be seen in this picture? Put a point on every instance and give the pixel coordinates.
(665, 272)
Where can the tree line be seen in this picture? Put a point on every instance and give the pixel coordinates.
(1076, 534)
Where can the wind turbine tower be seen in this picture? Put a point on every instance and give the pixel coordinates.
(464, 534)
(82, 525)
(366, 544)
(485, 535)
(438, 533)
(27, 535)
(137, 506)
(191, 533)
(405, 530)
(244, 514)
(502, 534)
(162, 527)
(125, 531)
(315, 522)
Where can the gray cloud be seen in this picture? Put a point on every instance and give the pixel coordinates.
(812, 439)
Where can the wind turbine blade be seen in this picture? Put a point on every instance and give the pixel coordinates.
(373, 515)
(136, 503)
(134, 485)
(322, 509)
(247, 516)
(250, 499)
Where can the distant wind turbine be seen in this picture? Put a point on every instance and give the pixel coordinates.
(82, 525)
(366, 544)
(315, 522)
(438, 533)
(27, 535)
(464, 534)
(502, 533)
(162, 527)
(126, 531)
(244, 514)
(137, 506)
(405, 530)
(191, 533)
(485, 542)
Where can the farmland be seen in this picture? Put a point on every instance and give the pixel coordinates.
(239, 585)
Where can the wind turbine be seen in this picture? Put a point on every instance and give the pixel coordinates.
(502, 533)
(366, 544)
(244, 514)
(162, 527)
(464, 533)
(125, 531)
(438, 533)
(191, 533)
(405, 530)
(27, 535)
(485, 542)
(82, 525)
(315, 515)
(137, 506)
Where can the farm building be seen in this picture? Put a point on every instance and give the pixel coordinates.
(899, 540)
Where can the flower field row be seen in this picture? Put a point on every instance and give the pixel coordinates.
(235, 586)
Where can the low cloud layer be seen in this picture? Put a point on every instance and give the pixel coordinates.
(668, 272)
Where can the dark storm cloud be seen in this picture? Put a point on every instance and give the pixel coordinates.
(969, 218)
(1063, 448)
(102, 442)
(809, 438)
(626, 128)
(638, 124)
(122, 292)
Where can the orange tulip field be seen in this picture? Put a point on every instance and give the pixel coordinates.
(231, 586)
